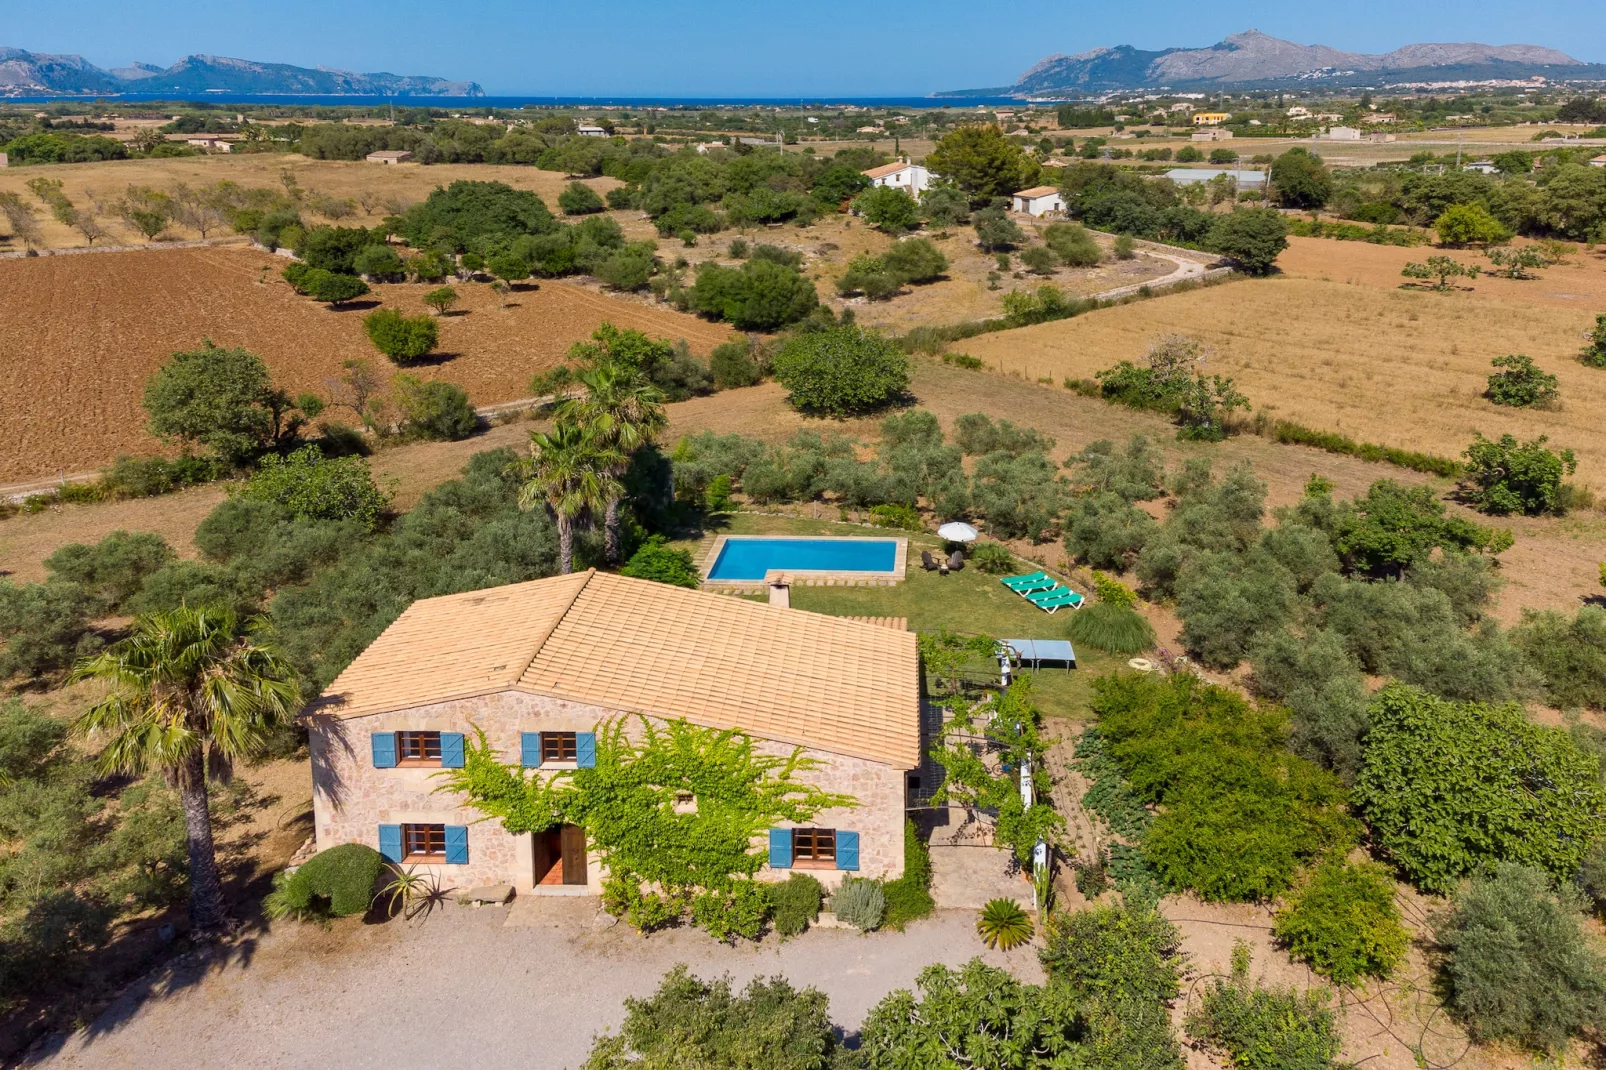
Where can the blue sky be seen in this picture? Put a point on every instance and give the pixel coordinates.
(748, 47)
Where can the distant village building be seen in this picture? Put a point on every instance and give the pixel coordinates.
(1380, 117)
(1188, 176)
(1482, 167)
(1599, 161)
(1380, 137)
(1039, 201)
(1210, 118)
(7, 163)
(912, 178)
(869, 130)
(1328, 117)
(590, 131)
(1213, 134)
(1299, 111)
(1181, 107)
(389, 156)
(1342, 133)
(208, 143)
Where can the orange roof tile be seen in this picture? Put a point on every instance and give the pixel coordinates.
(885, 169)
(829, 683)
(1038, 191)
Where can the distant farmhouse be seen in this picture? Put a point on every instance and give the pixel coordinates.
(912, 178)
(1039, 201)
(1210, 118)
(389, 156)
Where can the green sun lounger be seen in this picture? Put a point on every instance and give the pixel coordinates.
(1062, 598)
(1036, 581)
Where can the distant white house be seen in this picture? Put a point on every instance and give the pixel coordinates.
(208, 143)
(1342, 133)
(590, 131)
(1299, 111)
(389, 156)
(1599, 161)
(912, 178)
(1187, 176)
(1482, 167)
(1213, 133)
(1039, 201)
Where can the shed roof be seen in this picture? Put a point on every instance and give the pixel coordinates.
(1038, 191)
(829, 683)
(886, 169)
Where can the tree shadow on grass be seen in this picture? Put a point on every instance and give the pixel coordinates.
(354, 306)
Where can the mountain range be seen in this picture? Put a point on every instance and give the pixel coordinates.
(24, 73)
(1254, 59)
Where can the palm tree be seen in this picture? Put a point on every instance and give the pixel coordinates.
(569, 471)
(194, 690)
(622, 408)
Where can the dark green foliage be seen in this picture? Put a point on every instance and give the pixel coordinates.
(688, 1022)
(1020, 494)
(1394, 526)
(995, 230)
(1072, 245)
(1114, 629)
(45, 627)
(1110, 796)
(1266, 1028)
(434, 409)
(310, 486)
(664, 564)
(380, 263)
(331, 287)
(1447, 787)
(1569, 654)
(1046, 303)
(796, 903)
(113, 569)
(1519, 966)
(1105, 531)
(1039, 259)
(761, 295)
(401, 338)
(738, 910)
(579, 199)
(333, 249)
(982, 162)
(335, 883)
(837, 185)
(1134, 472)
(1521, 383)
(1299, 180)
(629, 268)
(1594, 354)
(454, 217)
(510, 267)
(889, 208)
(735, 364)
(1125, 953)
(1506, 476)
(992, 557)
(945, 206)
(1209, 516)
(1226, 599)
(262, 545)
(1239, 813)
(909, 897)
(1251, 238)
(144, 477)
(841, 371)
(915, 260)
(976, 434)
(219, 399)
(1344, 922)
(1317, 678)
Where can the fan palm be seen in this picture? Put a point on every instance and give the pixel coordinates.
(569, 471)
(623, 409)
(194, 690)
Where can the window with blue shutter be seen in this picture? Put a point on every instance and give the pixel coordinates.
(780, 848)
(457, 845)
(390, 842)
(585, 750)
(384, 747)
(529, 749)
(847, 849)
(451, 750)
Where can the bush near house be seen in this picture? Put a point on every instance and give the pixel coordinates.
(335, 883)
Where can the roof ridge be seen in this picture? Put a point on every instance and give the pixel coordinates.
(557, 619)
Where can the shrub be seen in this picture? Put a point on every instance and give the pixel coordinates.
(1449, 786)
(380, 263)
(434, 409)
(1519, 966)
(663, 564)
(739, 910)
(1003, 925)
(909, 897)
(1505, 476)
(734, 364)
(441, 300)
(401, 338)
(915, 260)
(1569, 654)
(992, 557)
(888, 208)
(1113, 591)
(1516, 263)
(761, 295)
(579, 199)
(796, 903)
(1252, 238)
(1316, 677)
(218, 398)
(45, 627)
(841, 371)
(1521, 384)
(1125, 953)
(310, 486)
(860, 902)
(331, 288)
(1124, 248)
(1344, 922)
(1265, 1028)
(896, 516)
(1039, 259)
(1114, 629)
(114, 569)
(336, 883)
(1594, 354)
(1074, 246)
(1105, 531)
(1469, 224)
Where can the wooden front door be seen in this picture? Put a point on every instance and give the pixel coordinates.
(548, 852)
(573, 846)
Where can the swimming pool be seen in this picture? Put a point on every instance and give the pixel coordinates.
(750, 558)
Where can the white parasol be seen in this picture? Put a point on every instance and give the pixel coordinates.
(955, 531)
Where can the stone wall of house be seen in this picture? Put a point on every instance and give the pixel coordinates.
(352, 798)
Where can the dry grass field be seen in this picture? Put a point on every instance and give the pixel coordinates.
(99, 325)
(1336, 344)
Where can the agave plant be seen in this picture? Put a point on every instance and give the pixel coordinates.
(1002, 924)
(410, 893)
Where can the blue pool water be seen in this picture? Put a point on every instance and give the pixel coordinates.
(750, 557)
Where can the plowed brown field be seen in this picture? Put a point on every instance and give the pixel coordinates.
(84, 332)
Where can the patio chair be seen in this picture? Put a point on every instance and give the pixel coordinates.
(956, 561)
(927, 562)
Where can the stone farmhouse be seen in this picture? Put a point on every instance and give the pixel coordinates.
(539, 666)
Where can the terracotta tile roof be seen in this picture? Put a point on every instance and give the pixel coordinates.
(1038, 191)
(885, 169)
(832, 683)
(897, 624)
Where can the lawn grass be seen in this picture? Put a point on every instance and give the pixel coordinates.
(969, 601)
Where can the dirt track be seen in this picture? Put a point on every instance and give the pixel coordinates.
(85, 332)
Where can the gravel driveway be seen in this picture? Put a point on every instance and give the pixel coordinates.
(478, 989)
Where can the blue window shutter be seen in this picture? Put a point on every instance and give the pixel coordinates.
(390, 842)
(529, 749)
(780, 848)
(457, 845)
(451, 750)
(585, 750)
(847, 850)
(384, 744)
